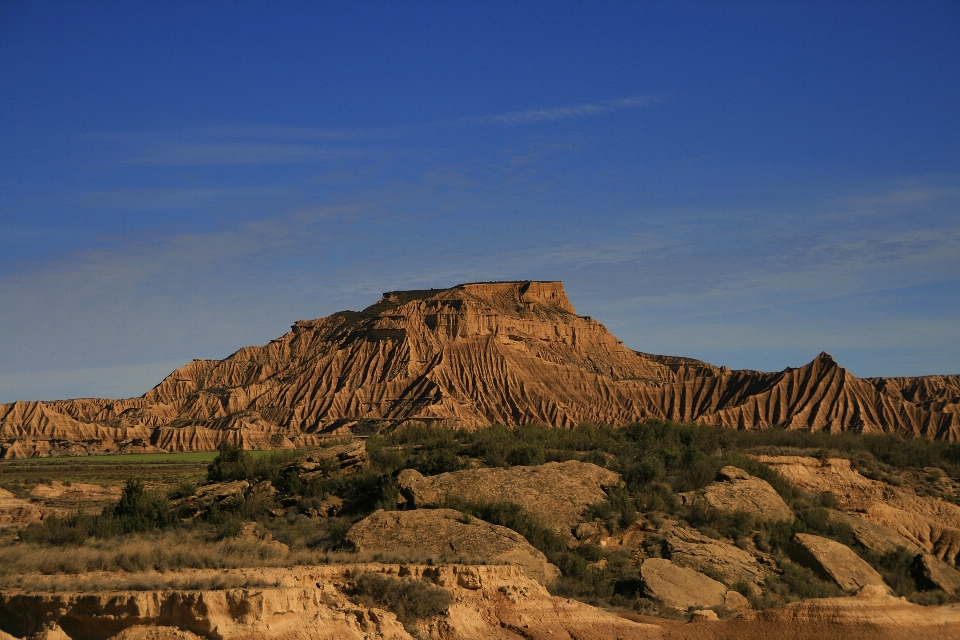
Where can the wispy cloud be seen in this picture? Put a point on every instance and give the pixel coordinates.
(565, 113)
(197, 154)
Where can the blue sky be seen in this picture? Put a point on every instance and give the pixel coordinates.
(747, 183)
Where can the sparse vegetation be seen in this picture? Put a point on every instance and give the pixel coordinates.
(409, 599)
(657, 459)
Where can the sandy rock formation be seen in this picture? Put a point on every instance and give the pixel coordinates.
(873, 536)
(678, 587)
(871, 607)
(449, 535)
(835, 561)
(469, 356)
(689, 548)
(75, 492)
(556, 492)
(737, 490)
(16, 511)
(936, 573)
(497, 602)
(930, 524)
(331, 461)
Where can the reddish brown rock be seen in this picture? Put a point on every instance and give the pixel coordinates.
(469, 356)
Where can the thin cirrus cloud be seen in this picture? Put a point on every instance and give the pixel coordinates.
(198, 154)
(252, 152)
(564, 113)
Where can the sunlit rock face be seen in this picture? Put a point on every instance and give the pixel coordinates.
(465, 357)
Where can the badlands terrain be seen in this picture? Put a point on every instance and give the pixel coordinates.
(473, 355)
(483, 462)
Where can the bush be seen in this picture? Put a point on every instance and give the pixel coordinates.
(136, 510)
(233, 463)
(410, 600)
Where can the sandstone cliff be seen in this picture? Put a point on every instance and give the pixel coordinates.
(497, 602)
(468, 356)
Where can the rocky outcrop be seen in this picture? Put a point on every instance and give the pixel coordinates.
(678, 587)
(689, 548)
(556, 492)
(497, 602)
(928, 523)
(737, 490)
(836, 562)
(449, 535)
(468, 356)
(16, 511)
(872, 608)
(932, 572)
(873, 536)
(331, 461)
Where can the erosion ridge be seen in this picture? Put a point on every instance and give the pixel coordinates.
(465, 357)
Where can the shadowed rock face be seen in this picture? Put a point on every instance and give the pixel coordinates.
(469, 356)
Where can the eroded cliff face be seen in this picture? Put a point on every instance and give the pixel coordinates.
(465, 357)
(498, 602)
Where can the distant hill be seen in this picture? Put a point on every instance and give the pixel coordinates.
(465, 357)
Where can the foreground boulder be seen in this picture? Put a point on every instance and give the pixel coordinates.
(690, 548)
(737, 490)
(449, 535)
(933, 572)
(835, 561)
(678, 587)
(556, 492)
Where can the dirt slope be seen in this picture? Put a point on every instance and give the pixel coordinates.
(468, 356)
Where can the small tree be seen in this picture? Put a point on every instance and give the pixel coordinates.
(231, 463)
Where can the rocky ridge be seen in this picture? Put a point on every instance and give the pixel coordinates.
(469, 356)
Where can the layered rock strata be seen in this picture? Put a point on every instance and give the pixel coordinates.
(497, 602)
(468, 356)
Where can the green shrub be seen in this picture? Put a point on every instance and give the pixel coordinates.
(136, 510)
(233, 463)
(410, 600)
